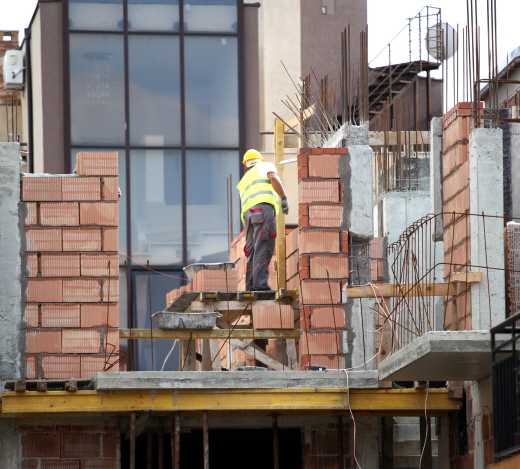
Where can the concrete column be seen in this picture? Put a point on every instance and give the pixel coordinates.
(367, 442)
(436, 173)
(10, 444)
(12, 282)
(481, 404)
(487, 235)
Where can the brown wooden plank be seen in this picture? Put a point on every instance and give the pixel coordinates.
(209, 334)
(393, 290)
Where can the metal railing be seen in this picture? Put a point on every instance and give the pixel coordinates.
(506, 385)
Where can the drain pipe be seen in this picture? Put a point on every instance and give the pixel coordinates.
(28, 79)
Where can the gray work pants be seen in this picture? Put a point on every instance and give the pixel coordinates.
(260, 226)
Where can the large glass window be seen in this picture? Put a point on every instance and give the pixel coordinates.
(97, 89)
(153, 15)
(96, 14)
(210, 15)
(154, 80)
(160, 283)
(208, 204)
(211, 91)
(156, 206)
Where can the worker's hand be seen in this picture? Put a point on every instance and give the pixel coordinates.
(285, 205)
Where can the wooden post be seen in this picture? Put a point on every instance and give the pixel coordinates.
(187, 355)
(280, 219)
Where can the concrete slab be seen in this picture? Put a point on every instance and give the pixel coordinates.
(441, 356)
(136, 380)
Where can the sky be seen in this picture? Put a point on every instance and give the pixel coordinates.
(385, 18)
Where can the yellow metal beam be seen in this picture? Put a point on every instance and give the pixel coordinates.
(209, 334)
(405, 290)
(195, 400)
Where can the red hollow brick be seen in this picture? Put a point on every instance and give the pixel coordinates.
(337, 266)
(60, 315)
(110, 445)
(43, 341)
(60, 265)
(312, 191)
(47, 188)
(41, 445)
(41, 290)
(95, 315)
(60, 464)
(110, 290)
(81, 239)
(81, 290)
(325, 216)
(43, 239)
(312, 241)
(324, 166)
(59, 214)
(31, 315)
(97, 163)
(32, 264)
(80, 445)
(215, 280)
(273, 317)
(320, 343)
(457, 181)
(81, 188)
(110, 238)
(344, 241)
(32, 214)
(110, 340)
(81, 341)
(291, 242)
(318, 292)
(97, 265)
(92, 364)
(98, 213)
(327, 317)
(30, 463)
(110, 188)
(31, 362)
(291, 265)
(99, 463)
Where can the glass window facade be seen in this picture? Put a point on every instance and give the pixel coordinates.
(158, 82)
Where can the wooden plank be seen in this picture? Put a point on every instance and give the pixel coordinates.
(197, 334)
(210, 355)
(412, 138)
(280, 217)
(255, 351)
(193, 400)
(469, 277)
(294, 121)
(187, 355)
(405, 290)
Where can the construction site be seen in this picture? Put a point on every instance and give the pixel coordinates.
(129, 334)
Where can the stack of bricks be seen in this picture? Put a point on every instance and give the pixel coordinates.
(69, 446)
(323, 258)
(456, 127)
(72, 311)
(512, 237)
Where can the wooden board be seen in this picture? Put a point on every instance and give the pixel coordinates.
(405, 290)
(196, 334)
(470, 277)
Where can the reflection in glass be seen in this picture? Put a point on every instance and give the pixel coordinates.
(210, 15)
(156, 205)
(97, 89)
(154, 90)
(207, 209)
(211, 91)
(96, 14)
(153, 15)
(160, 285)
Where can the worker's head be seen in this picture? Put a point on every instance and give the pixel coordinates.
(252, 157)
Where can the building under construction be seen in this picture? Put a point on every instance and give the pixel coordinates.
(389, 339)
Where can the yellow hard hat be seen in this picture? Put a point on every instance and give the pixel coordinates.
(251, 155)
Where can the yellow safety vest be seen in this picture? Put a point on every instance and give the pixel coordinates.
(255, 189)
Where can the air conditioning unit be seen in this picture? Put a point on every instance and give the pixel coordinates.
(13, 70)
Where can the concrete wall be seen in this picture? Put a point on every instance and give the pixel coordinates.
(12, 277)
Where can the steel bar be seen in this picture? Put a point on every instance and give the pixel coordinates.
(276, 457)
(161, 443)
(205, 438)
(132, 440)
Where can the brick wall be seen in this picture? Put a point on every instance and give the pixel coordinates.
(69, 446)
(512, 238)
(323, 258)
(71, 228)
(456, 126)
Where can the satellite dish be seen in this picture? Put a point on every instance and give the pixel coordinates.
(441, 41)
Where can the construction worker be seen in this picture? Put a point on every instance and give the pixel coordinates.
(258, 196)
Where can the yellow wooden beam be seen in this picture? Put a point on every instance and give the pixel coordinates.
(196, 334)
(295, 121)
(405, 290)
(193, 400)
(470, 277)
